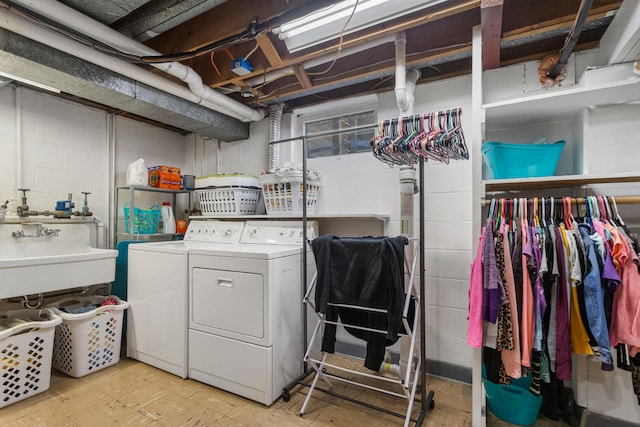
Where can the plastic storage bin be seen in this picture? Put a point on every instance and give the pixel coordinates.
(26, 346)
(513, 403)
(229, 201)
(506, 160)
(90, 335)
(283, 194)
(145, 221)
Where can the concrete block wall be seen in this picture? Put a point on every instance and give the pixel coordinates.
(60, 147)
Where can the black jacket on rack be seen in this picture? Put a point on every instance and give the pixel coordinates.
(364, 272)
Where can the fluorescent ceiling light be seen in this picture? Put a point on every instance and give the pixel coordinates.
(29, 82)
(326, 24)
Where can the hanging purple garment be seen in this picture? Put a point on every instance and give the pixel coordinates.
(563, 338)
(493, 296)
(538, 291)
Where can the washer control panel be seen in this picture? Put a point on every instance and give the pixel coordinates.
(214, 231)
(278, 232)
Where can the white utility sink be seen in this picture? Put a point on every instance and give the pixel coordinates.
(37, 258)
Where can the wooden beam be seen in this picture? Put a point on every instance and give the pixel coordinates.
(269, 50)
(225, 20)
(366, 36)
(561, 22)
(491, 22)
(372, 72)
(302, 76)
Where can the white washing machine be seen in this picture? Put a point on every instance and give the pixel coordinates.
(245, 308)
(157, 288)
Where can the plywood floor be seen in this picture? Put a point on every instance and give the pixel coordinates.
(131, 393)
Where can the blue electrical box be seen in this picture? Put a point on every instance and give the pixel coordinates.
(241, 67)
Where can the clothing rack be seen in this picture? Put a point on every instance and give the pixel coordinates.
(411, 140)
(408, 140)
(576, 272)
(406, 381)
(620, 200)
(552, 206)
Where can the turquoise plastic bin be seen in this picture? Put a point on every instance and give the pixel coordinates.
(506, 160)
(513, 403)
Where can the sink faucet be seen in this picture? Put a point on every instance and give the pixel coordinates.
(48, 232)
(42, 231)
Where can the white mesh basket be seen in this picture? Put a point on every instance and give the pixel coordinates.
(229, 200)
(90, 340)
(283, 194)
(26, 347)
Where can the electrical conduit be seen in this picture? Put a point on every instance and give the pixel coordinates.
(69, 17)
(19, 145)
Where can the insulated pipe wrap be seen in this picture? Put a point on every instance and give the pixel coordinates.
(67, 16)
(275, 123)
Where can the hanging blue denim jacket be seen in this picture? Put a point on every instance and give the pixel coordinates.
(594, 299)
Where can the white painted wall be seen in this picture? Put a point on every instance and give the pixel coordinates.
(64, 147)
(63, 150)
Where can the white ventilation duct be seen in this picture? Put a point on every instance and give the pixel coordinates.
(275, 123)
(85, 25)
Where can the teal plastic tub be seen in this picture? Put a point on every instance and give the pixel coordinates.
(513, 403)
(507, 160)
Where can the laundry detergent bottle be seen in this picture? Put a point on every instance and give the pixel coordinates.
(168, 218)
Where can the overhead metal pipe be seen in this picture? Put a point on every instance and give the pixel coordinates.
(572, 39)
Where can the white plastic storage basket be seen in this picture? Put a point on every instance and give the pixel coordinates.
(229, 200)
(283, 194)
(26, 347)
(90, 335)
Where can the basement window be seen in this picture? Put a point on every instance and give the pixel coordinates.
(345, 142)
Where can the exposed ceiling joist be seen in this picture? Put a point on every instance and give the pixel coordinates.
(438, 42)
(491, 21)
(269, 50)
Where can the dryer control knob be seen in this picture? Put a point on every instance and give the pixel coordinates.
(254, 232)
(228, 232)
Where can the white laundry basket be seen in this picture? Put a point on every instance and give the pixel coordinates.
(89, 339)
(283, 195)
(26, 346)
(228, 200)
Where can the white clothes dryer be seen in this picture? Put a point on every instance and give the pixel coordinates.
(245, 310)
(157, 287)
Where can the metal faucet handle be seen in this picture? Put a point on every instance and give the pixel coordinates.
(48, 232)
(18, 234)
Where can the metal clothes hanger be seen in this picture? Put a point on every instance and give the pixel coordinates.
(615, 208)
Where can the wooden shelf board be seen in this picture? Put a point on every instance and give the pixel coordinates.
(563, 181)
